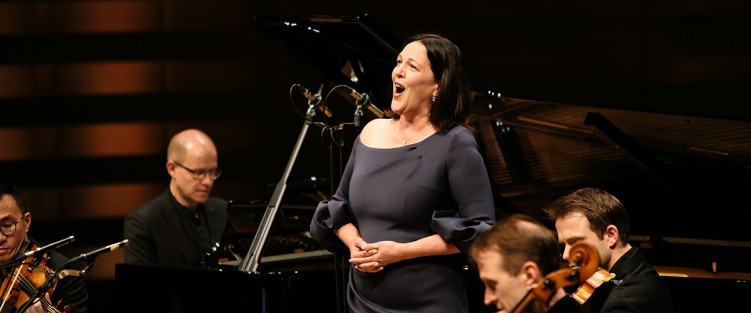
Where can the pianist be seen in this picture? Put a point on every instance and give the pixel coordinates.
(177, 228)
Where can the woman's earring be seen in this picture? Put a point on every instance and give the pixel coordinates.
(433, 99)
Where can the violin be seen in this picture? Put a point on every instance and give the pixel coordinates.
(587, 261)
(588, 287)
(24, 282)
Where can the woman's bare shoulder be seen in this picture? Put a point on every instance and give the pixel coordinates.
(373, 132)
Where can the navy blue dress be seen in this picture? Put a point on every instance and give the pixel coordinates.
(437, 186)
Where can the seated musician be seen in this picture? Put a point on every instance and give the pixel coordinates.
(513, 258)
(599, 219)
(69, 293)
(179, 227)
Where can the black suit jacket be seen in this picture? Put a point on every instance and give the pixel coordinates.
(156, 236)
(637, 287)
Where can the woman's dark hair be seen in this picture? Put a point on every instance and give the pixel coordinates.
(451, 106)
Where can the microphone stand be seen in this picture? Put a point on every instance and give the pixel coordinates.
(250, 262)
(336, 166)
(47, 284)
(52, 279)
(340, 271)
(37, 252)
(252, 258)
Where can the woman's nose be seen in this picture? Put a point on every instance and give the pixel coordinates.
(399, 71)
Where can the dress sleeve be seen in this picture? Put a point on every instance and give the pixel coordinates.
(470, 189)
(332, 214)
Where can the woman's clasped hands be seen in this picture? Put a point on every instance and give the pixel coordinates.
(372, 257)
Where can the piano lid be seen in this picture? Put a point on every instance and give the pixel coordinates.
(345, 50)
(678, 175)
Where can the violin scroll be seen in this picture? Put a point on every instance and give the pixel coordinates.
(586, 261)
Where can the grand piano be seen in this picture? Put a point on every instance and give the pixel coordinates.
(684, 177)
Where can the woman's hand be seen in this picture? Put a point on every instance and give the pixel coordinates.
(374, 256)
(358, 250)
(360, 257)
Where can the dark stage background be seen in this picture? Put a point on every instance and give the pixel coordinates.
(91, 91)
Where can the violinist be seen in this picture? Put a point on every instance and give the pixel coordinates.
(513, 258)
(69, 293)
(596, 217)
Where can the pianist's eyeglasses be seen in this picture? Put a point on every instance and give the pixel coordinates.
(9, 228)
(200, 174)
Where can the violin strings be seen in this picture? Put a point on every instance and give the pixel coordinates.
(11, 283)
(28, 287)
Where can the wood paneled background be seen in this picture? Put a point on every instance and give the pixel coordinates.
(91, 91)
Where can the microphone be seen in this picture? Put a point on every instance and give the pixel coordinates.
(360, 100)
(313, 101)
(312, 98)
(97, 252)
(41, 250)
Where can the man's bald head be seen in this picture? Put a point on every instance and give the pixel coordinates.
(189, 140)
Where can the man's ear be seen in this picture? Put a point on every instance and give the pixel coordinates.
(170, 168)
(612, 236)
(532, 273)
(26, 220)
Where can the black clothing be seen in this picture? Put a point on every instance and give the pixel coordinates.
(637, 288)
(565, 305)
(163, 232)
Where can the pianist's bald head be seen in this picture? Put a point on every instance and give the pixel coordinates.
(193, 140)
